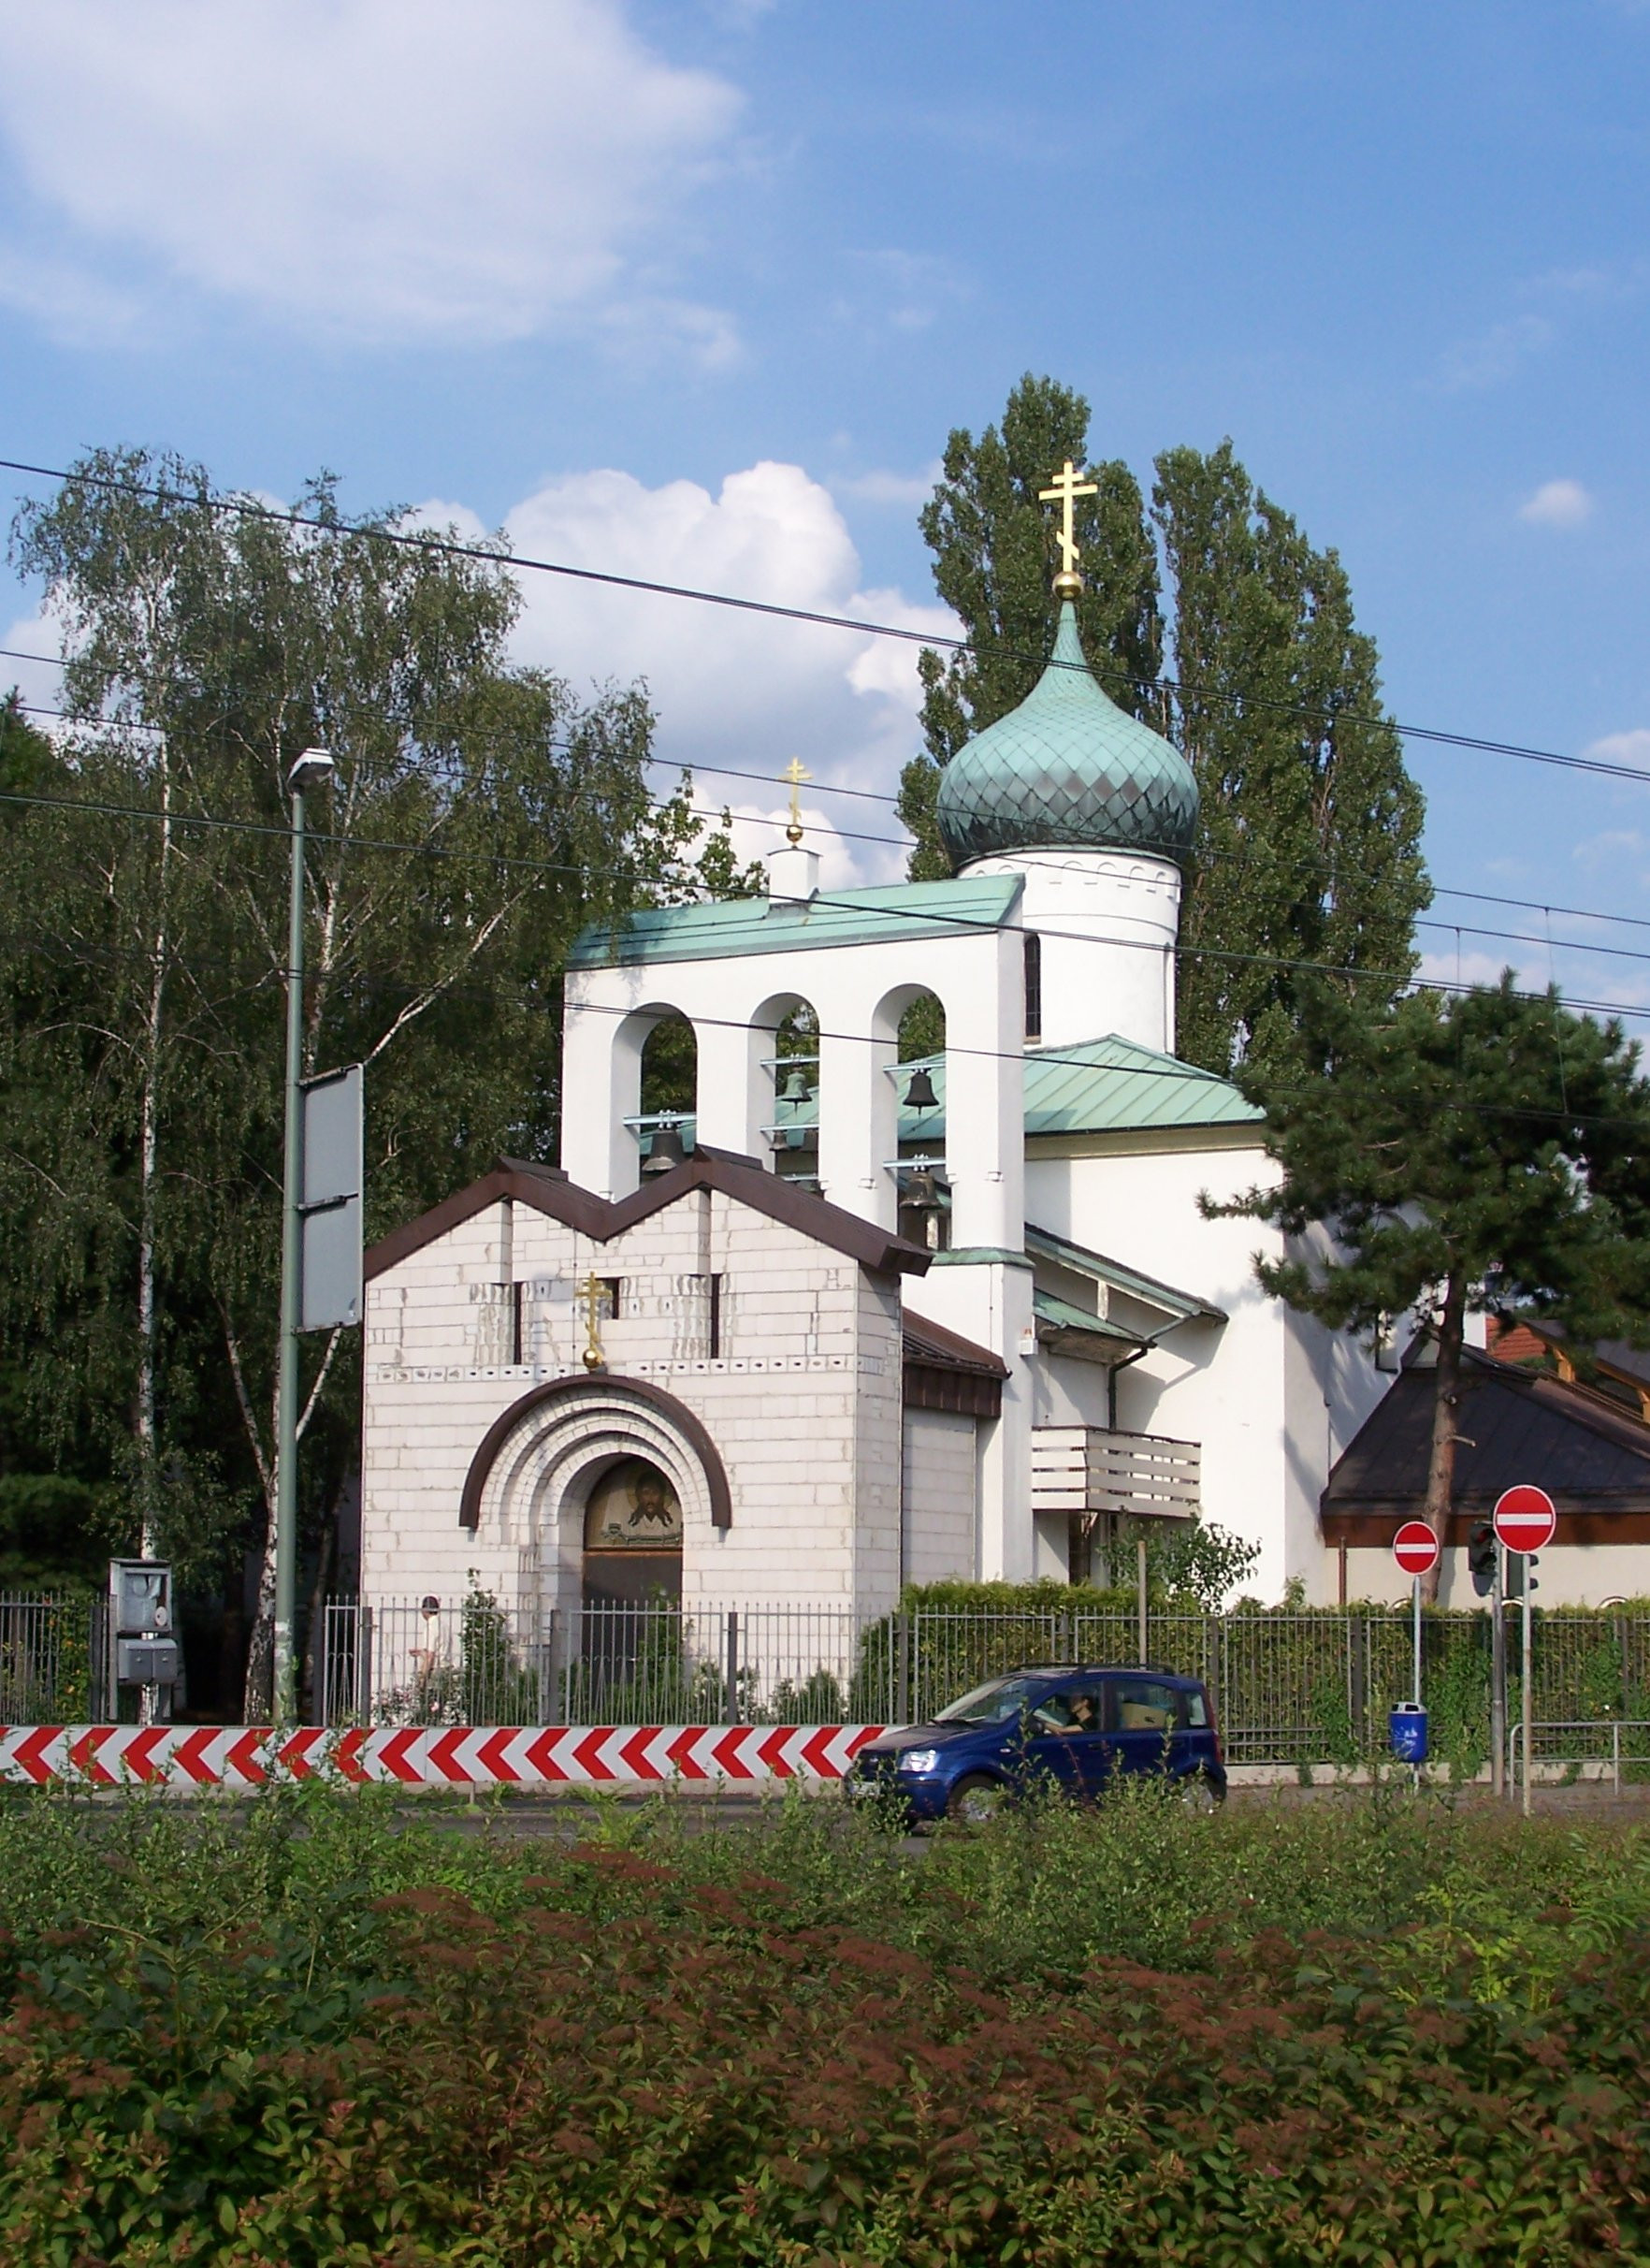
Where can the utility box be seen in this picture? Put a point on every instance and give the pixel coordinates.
(139, 1597)
(146, 1661)
(140, 1622)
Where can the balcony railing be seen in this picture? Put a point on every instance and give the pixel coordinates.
(1086, 1468)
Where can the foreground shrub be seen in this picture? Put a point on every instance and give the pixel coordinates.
(618, 2059)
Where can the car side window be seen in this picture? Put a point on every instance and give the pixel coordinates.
(1196, 1709)
(1141, 1704)
(1077, 1712)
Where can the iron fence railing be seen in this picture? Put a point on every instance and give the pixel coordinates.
(1300, 1689)
(1289, 1688)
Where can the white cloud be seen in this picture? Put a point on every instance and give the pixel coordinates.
(39, 682)
(1623, 747)
(1495, 354)
(745, 692)
(883, 487)
(385, 169)
(1558, 504)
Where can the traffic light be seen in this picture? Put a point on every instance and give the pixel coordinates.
(1481, 1557)
(1521, 1568)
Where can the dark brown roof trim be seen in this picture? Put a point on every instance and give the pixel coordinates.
(552, 1194)
(964, 1393)
(943, 1349)
(636, 1389)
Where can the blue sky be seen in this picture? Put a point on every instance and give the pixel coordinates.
(697, 287)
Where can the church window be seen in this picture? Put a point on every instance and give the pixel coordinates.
(1033, 985)
(517, 1291)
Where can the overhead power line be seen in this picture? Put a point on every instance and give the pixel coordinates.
(496, 556)
(695, 769)
(823, 900)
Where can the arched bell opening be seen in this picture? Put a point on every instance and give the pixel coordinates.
(791, 1069)
(670, 1076)
(913, 1073)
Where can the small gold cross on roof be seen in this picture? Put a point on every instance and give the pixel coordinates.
(591, 1291)
(1069, 485)
(796, 774)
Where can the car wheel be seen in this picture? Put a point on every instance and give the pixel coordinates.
(1199, 1794)
(975, 1800)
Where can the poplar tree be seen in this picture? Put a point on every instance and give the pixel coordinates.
(1310, 827)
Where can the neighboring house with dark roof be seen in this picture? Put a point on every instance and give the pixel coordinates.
(1585, 1448)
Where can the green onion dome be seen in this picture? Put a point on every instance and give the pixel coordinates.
(1067, 770)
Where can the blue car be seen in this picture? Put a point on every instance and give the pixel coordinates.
(1052, 1725)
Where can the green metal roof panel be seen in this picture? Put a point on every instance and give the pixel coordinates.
(733, 927)
(1061, 1316)
(1150, 1290)
(1100, 1086)
(1112, 1085)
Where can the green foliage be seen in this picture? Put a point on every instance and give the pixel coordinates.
(330, 2033)
(481, 814)
(1309, 831)
(1462, 1152)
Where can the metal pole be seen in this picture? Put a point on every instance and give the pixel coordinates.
(286, 1398)
(1140, 1596)
(731, 1713)
(1498, 1686)
(1529, 1699)
(1417, 1641)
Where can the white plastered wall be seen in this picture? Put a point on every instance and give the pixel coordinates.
(1262, 1394)
(803, 1403)
(1108, 923)
(1568, 1575)
(858, 993)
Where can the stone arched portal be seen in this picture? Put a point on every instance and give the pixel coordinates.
(559, 1451)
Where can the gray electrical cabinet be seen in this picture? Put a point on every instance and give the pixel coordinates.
(140, 1622)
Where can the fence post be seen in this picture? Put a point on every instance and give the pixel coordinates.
(364, 1663)
(1615, 1755)
(1357, 1650)
(902, 1668)
(731, 1713)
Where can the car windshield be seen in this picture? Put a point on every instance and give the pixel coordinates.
(990, 1704)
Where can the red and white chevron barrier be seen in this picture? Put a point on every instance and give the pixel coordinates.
(456, 1755)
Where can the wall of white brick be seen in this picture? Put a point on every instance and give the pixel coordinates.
(802, 1400)
(939, 1519)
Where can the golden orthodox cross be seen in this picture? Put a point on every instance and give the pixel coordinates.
(591, 1291)
(1068, 487)
(795, 774)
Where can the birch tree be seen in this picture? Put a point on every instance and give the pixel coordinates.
(479, 814)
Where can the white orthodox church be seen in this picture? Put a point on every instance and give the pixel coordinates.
(856, 1322)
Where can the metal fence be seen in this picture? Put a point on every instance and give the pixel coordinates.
(46, 1656)
(1289, 1688)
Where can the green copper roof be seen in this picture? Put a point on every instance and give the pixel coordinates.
(1067, 770)
(1098, 1087)
(733, 928)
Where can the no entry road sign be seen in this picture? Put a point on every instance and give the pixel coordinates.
(1525, 1519)
(1415, 1547)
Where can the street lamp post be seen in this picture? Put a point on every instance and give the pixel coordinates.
(313, 769)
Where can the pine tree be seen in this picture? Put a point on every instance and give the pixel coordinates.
(1309, 844)
(1489, 1150)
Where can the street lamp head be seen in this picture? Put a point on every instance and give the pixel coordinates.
(313, 769)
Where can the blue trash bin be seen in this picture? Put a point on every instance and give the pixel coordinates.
(1407, 1728)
